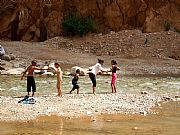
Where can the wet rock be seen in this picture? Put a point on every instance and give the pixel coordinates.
(109, 120)
(135, 128)
(143, 112)
(158, 104)
(93, 120)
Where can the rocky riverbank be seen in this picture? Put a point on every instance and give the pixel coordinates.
(74, 106)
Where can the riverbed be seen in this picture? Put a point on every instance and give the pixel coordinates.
(126, 112)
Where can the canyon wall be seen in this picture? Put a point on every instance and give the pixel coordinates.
(31, 20)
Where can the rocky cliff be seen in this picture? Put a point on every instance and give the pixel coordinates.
(36, 20)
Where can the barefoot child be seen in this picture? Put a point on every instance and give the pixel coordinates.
(95, 70)
(74, 82)
(59, 79)
(114, 75)
(30, 77)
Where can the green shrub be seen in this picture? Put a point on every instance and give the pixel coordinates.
(167, 25)
(77, 25)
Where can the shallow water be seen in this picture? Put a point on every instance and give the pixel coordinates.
(165, 123)
(13, 86)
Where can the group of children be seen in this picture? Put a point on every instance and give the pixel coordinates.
(94, 70)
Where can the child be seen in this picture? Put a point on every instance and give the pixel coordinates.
(30, 77)
(95, 70)
(114, 75)
(74, 82)
(59, 78)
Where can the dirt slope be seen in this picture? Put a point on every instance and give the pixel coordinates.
(135, 52)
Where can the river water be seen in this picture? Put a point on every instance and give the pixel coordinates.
(164, 123)
(13, 86)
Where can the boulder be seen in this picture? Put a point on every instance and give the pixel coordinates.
(1, 68)
(73, 70)
(2, 57)
(7, 58)
(12, 56)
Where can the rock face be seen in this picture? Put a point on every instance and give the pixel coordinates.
(32, 20)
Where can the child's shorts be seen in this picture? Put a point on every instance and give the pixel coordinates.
(31, 84)
(75, 87)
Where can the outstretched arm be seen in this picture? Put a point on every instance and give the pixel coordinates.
(24, 74)
(102, 69)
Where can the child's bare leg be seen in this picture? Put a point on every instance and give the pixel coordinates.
(94, 90)
(77, 91)
(28, 93)
(71, 91)
(32, 94)
(112, 86)
(59, 93)
(59, 88)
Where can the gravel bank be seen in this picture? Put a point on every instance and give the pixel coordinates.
(74, 106)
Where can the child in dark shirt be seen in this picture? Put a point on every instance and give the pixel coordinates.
(74, 82)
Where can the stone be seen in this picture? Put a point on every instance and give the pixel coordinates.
(1, 68)
(12, 56)
(143, 112)
(73, 70)
(7, 58)
(2, 57)
(109, 120)
(135, 128)
(167, 98)
(144, 92)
